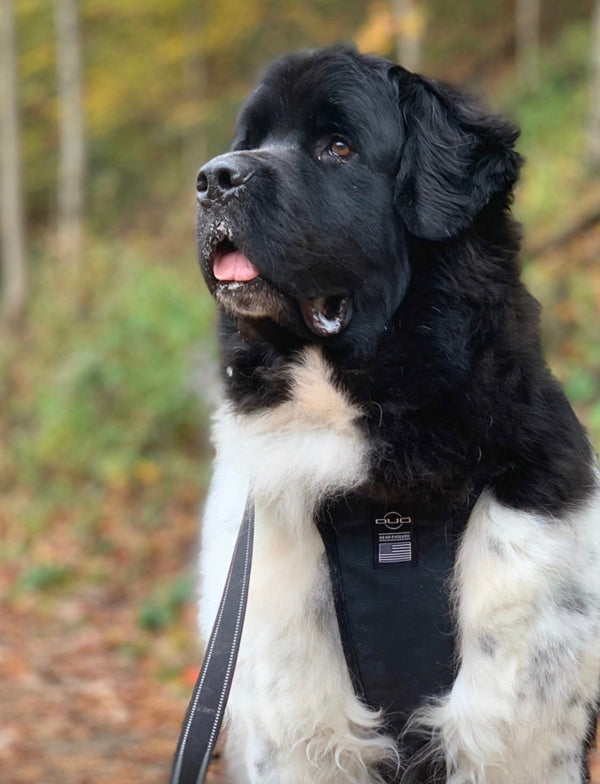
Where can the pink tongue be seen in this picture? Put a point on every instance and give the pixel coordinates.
(234, 266)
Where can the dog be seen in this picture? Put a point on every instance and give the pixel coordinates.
(376, 339)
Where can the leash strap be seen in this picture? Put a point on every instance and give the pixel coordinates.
(205, 711)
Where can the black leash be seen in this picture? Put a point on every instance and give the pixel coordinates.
(204, 715)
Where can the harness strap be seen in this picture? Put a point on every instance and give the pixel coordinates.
(204, 715)
(394, 619)
(390, 569)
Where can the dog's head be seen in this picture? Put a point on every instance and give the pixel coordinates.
(338, 160)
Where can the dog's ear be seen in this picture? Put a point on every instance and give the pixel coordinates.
(454, 158)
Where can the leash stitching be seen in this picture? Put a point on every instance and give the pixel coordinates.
(208, 658)
(236, 635)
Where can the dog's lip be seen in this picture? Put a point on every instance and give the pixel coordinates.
(222, 257)
(327, 316)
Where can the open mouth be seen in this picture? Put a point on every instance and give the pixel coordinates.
(230, 265)
(242, 289)
(326, 315)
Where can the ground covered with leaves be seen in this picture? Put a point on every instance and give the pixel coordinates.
(95, 675)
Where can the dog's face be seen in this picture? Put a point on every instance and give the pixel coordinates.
(337, 159)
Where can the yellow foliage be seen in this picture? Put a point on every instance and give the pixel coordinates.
(147, 472)
(376, 34)
(380, 28)
(411, 25)
(229, 25)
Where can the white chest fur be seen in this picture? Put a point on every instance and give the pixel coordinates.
(293, 714)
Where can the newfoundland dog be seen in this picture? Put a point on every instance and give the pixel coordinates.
(377, 344)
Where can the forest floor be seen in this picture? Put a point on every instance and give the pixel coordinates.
(77, 712)
(88, 693)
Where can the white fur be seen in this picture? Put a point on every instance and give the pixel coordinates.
(521, 584)
(293, 715)
(527, 593)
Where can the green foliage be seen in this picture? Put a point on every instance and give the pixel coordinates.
(110, 392)
(581, 386)
(162, 608)
(43, 576)
(556, 189)
(570, 294)
(553, 121)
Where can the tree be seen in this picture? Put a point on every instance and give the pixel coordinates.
(408, 24)
(71, 165)
(14, 288)
(594, 124)
(528, 41)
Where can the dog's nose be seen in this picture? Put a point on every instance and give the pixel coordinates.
(224, 175)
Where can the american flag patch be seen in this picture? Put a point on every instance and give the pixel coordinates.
(395, 541)
(398, 551)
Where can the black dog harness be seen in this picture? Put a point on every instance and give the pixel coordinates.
(389, 569)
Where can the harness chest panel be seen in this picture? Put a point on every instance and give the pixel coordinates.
(390, 570)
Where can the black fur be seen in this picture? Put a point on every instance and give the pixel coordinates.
(442, 350)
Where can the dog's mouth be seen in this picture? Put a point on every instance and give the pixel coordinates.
(230, 265)
(326, 315)
(243, 290)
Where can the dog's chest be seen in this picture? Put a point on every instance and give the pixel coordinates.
(291, 458)
(291, 644)
(291, 675)
(297, 453)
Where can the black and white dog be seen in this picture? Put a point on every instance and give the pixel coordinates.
(376, 338)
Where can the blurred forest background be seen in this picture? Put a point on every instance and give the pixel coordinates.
(108, 108)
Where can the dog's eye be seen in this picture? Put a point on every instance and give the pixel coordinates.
(340, 148)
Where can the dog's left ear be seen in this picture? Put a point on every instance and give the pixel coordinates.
(454, 158)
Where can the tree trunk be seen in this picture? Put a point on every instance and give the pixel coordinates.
(528, 41)
(594, 124)
(194, 147)
(408, 26)
(14, 270)
(71, 165)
